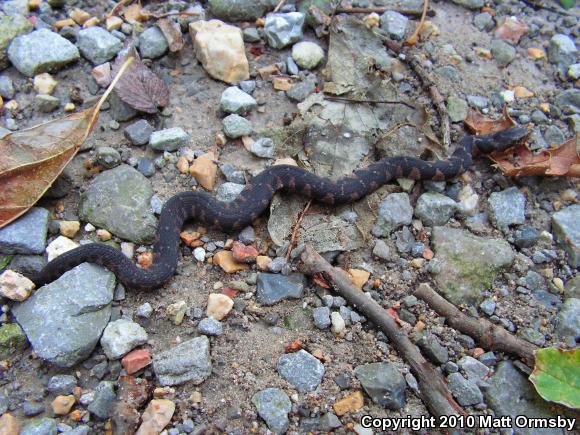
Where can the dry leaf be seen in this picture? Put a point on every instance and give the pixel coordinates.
(140, 87)
(134, 13)
(511, 29)
(172, 33)
(520, 161)
(479, 124)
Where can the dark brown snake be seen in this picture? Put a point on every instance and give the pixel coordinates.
(256, 197)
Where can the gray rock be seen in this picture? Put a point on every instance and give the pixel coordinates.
(538, 117)
(79, 430)
(41, 51)
(235, 126)
(104, 400)
(484, 21)
(61, 385)
(382, 250)
(97, 45)
(210, 326)
(475, 370)
(15, 7)
(11, 26)
(31, 409)
(301, 369)
(395, 24)
(478, 102)
(569, 321)
(554, 136)
(139, 132)
(434, 209)
(433, 349)
(468, 264)
(321, 316)
(27, 234)
(40, 426)
(152, 43)
(12, 339)
(502, 52)
(511, 394)
(273, 405)
(263, 147)
(234, 100)
(239, 10)
(227, 191)
(273, 288)
(170, 139)
(307, 55)
(573, 71)
(568, 101)
(383, 383)
(188, 361)
(291, 66)
(465, 391)
(118, 200)
(121, 337)
(448, 71)
(248, 86)
(282, 29)
(328, 422)
(572, 288)
(120, 111)
(457, 109)
(567, 231)
(147, 168)
(251, 34)
(488, 306)
(64, 319)
(108, 157)
(145, 310)
(470, 4)
(533, 336)
(507, 208)
(394, 211)
(247, 235)
(562, 51)
(46, 103)
(300, 91)
(6, 87)
(232, 174)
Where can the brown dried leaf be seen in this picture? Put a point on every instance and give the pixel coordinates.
(140, 87)
(134, 13)
(511, 29)
(172, 33)
(520, 161)
(479, 124)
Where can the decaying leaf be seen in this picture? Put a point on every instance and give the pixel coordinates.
(140, 87)
(520, 161)
(134, 13)
(172, 33)
(556, 376)
(479, 124)
(33, 158)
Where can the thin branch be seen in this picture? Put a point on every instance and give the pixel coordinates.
(149, 15)
(296, 229)
(414, 38)
(488, 335)
(433, 388)
(117, 6)
(279, 5)
(362, 101)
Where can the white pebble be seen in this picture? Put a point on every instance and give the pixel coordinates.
(338, 325)
(199, 254)
(59, 246)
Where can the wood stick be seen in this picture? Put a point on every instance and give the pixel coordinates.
(488, 335)
(433, 388)
(296, 229)
(409, 12)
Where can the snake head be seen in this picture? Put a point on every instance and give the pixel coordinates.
(501, 140)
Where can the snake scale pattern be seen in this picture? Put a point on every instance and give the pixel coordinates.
(256, 197)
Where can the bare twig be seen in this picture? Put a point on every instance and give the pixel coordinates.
(409, 12)
(296, 229)
(433, 388)
(357, 100)
(150, 15)
(488, 335)
(117, 6)
(279, 5)
(414, 38)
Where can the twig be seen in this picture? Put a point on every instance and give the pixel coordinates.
(117, 6)
(296, 229)
(356, 100)
(488, 335)
(414, 38)
(149, 15)
(279, 5)
(433, 389)
(409, 12)
(540, 5)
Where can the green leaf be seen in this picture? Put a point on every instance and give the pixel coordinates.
(556, 376)
(567, 4)
(4, 260)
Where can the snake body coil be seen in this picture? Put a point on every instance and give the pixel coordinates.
(256, 197)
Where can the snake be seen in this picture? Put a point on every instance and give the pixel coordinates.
(256, 197)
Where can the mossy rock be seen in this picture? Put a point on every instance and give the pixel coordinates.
(12, 340)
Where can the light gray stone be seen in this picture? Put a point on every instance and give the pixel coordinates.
(434, 209)
(152, 43)
(273, 405)
(394, 211)
(188, 361)
(282, 29)
(235, 126)
(263, 147)
(121, 337)
(11, 26)
(27, 234)
(562, 51)
(395, 24)
(301, 369)
(567, 231)
(234, 100)
(40, 426)
(227, 191)
(307, 55)
(273, 288)
(97, 45)
(104, 400)
(465, 391)
(210, 326)
(502, 52)
(507, 208)
(170, 139)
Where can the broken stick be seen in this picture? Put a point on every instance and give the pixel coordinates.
(432, 386)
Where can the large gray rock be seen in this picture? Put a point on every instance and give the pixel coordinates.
(40, 426)
(301, 369)
(283, 29)
(394, 24)
(236, 126)
(189, 361)
(118, 200)
(41, 51)
(64, 319)
(468, 264)
(465, 391)
(394, 212)
(566, 228)
(511, 394)
(240, 10)
(122, 336)
(562, 50)
(568, 101)
(170, 139)
(273, 406)
(383, 383)
(105, 397)
(26, 235)
(98, 45)
(10, 27)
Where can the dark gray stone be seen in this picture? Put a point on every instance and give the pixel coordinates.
(152, 43)
(120, 111)
(465, 391)
(139, 132)
(301, 369)
(273, 288)
(232, 174)
(433, 349)
(210, 326)
(188, 361)
(105, 397)
(394, 211)
(32, 409)
(567, 231)
(26, 235)
(526, 237)
(61, 384)
(300, 91)
(383, 383)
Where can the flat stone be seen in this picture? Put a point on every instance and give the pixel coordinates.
(139, 132)
(188, 361)
(465, 391)
(227, 191)
(394, 211)
(468, 263)
(27, 234)
(569, 321)
(470, 4)
(301, 369)
(502, 52)
(273, 288)
(64, 320)
(118, 200)
(307, 55)
(236, 126)
(239, 10)
(383, 383)
(40, 426)
(104, 400)
(170, 139)
(41, 51)
(395, 24)
(61, 384)
(434, 209)
(568, 101)
(234, 100)
(152, 43)
(507, 208)
(282, 29)
(97, 45)
(121, 337)
(567, 231)
(562, 51)
(273, 405)
(457, 108)
(10, 27)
